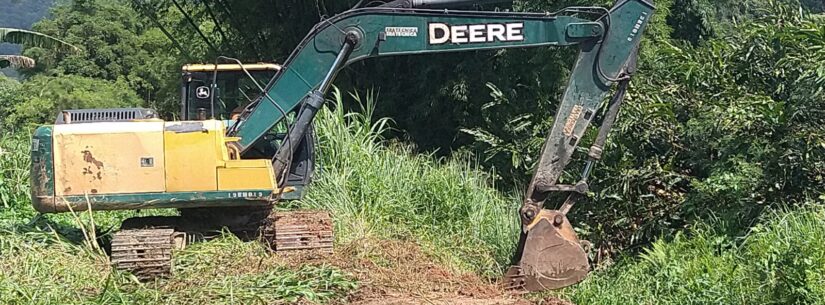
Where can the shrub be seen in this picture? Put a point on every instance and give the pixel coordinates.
(14, 178)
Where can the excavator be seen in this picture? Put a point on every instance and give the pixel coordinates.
(223, 169)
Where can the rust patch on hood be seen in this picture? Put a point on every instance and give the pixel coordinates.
(87, 156)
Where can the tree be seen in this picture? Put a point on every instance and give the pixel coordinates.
(38, 99)
(119, 45)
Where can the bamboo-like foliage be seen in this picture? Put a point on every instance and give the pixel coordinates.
(16, 61)
(34, 39)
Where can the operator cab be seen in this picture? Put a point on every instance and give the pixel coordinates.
(231, 92)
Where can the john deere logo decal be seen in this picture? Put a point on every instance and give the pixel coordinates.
(202, 92)
(442, 33)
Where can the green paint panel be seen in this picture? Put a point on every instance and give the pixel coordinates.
(162, 200)
(386, 32)
(42, 166)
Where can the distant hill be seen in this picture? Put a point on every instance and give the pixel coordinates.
(20, 14)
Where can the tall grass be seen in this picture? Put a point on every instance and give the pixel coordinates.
(14, 170)
(14, 178)
(781, 261)
(376, 188)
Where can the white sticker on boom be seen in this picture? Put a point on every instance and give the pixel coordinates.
(398, 31)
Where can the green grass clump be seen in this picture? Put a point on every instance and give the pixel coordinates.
(384, 190)
(781, 261)
(14, 178)
(44, 268)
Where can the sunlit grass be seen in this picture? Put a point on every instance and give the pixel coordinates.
(781, 261)
(380, 189)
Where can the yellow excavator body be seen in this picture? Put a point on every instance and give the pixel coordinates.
(151, 157)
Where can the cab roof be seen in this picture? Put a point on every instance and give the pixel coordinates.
(231, 67)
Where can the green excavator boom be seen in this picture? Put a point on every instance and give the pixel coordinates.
(549, 253)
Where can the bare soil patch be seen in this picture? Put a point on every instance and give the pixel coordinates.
(399, 273)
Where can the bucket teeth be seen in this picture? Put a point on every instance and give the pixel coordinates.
(514, 278)
(551, 257)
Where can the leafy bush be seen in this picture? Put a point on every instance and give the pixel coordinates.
(781, 261)
(10, 95)
(723, 129)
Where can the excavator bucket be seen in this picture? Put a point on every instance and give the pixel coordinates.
(551, 255)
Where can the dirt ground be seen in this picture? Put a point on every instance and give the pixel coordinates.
(398, 273)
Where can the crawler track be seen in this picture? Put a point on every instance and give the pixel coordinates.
(146, 253)
(299, 230)
(144, 245)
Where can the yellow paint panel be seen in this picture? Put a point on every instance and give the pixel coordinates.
(108, 158)
(192, 155)
(246, 175)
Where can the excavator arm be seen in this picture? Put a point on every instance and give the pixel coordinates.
(549, 252)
